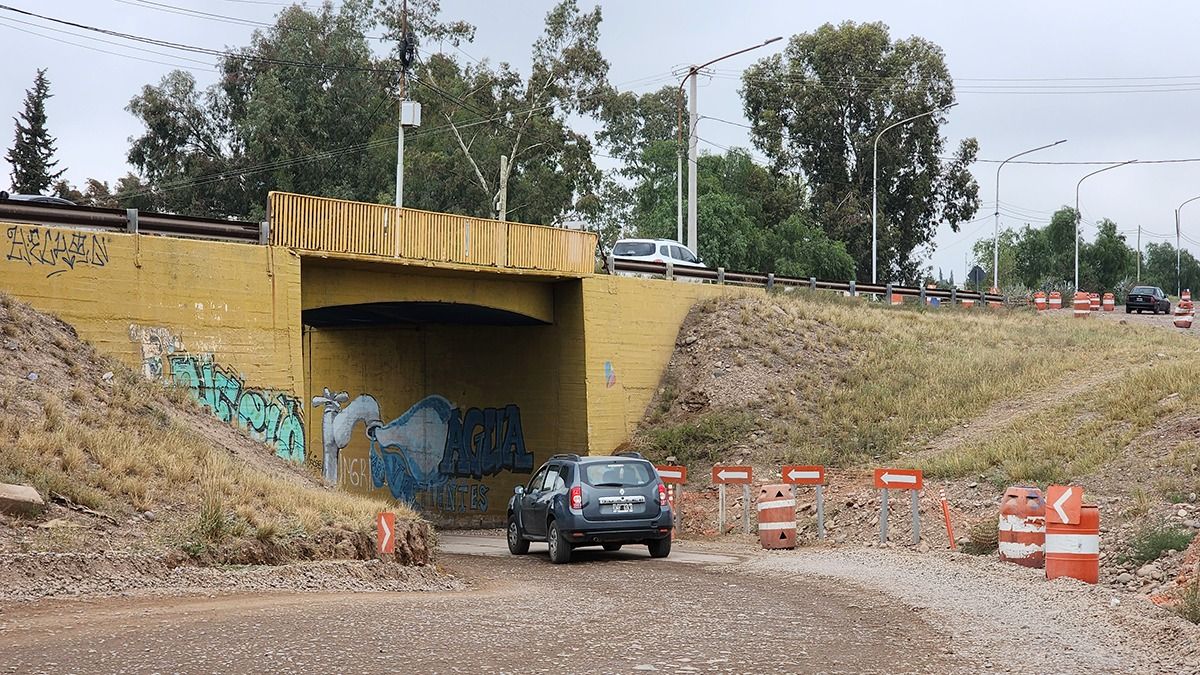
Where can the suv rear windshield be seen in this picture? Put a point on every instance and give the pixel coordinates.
(1143, 290)
(633, 248)
(617, 474)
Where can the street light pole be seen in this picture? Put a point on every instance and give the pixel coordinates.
(996, 229)
(1177, 248)
(693, 140)
(875, 187)
(1077, 216)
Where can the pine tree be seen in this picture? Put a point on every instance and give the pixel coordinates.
(32, 153)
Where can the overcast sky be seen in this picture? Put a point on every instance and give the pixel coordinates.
(1120, 80)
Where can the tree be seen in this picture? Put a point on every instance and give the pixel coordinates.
(1104, 263)
(816, 110)
(32, 153)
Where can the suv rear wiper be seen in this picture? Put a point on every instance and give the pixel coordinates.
(609, 485)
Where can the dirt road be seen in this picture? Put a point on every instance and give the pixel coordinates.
(606, 613)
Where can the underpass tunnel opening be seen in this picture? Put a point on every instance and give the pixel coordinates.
(446, 405)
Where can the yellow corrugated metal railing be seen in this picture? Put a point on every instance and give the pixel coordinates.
(338, 226)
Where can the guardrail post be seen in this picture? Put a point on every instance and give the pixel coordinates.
(131, 221)
(612, 263)
(853, 292)
(953, 296)
(888, 290)
(812, 283)
(670, 271)
(922, 296)
(770, 281)
(264, 233)
(720, 275)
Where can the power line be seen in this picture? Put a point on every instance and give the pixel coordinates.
(104, 51)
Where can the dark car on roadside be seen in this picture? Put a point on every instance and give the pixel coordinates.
(1142, 298)
(573, 501)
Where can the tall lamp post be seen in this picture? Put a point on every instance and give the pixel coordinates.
(1177, 249)
(1077, 215)
(875, 187)
(996, 229)
(693, 140)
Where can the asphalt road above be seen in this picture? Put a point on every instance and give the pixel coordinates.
(605, 613)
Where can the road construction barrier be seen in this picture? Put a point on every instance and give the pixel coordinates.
(1184, 314)
(1039, 301)
(1094, 302)
(1109, 302)
(897, 299)
(1022, 535)
(777, 516)
(1055, 300)
(968, 303)
(1074, 550)
(1186, 295)
(1082, 305)
(993, 303)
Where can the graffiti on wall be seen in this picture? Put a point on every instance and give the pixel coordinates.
(62, 251)
(434, 456)
(273, 417)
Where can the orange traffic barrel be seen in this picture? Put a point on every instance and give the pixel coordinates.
(1055, 300)
(1022, 536)
(1184, 314)
(968, 303)
(1074, 550)
(777, 516)
(992, 303)
(1094, 302)
(897, 299)
(1109, 302)
(1186, 294)
(1082, 305)
(1039, 300)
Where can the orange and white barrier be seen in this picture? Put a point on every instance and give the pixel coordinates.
(1055, 300)
(968, 303)
(994, 291)
(1109, 302)
(1022, 535)
(1184, 314)
(1094, 302)
(1039, 301)
(1074, 550)
(1186, 295)
(777, 516)
(897, 299)
(1082, 305)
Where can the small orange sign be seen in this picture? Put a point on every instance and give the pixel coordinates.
(672, 474)
(1063, 503)
(386, 533)
(804, 475)
(732, 475)
(899, 479)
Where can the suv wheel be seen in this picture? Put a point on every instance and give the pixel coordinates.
(560, 548)
(612, 547)
(660, 548)
(517, 544)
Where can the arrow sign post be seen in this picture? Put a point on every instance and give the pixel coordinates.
(735, 475)
(386, 533)
(810, 475)
(899, 479)
(1064, 503)
(674, 476)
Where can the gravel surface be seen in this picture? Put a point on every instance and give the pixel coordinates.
(1008, 615)
(606, 613)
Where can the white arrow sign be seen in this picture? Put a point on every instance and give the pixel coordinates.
(726, 475)
(387, 534)
(668, 473)
(1058, 505)
(797, 475)
(899, 478)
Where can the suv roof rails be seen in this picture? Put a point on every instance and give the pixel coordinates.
(566, 455)
(629, 453)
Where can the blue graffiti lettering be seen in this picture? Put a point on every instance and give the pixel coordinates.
(485, 442)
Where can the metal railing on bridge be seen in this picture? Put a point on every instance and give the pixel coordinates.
(329, 225)
(772, 282)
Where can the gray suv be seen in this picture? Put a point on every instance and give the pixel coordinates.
(608, 501)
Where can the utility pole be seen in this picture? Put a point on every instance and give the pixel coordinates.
(1139, 255)
(410, 112)
(679, 169)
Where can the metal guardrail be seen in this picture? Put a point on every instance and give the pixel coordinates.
(327, 225)
(131, 221)
(772, 282)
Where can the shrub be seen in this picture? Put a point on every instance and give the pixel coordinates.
(1151, 541)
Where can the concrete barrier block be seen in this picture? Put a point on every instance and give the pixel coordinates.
(20, 500)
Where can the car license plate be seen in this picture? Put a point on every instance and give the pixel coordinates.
(622, 508)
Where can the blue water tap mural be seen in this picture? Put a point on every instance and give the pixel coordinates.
(435, 454)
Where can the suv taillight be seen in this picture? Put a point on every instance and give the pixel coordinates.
(662, 494)
(577, 498)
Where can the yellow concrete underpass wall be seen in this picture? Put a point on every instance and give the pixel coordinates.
(631, 326)
(449, 417)
(222, 319)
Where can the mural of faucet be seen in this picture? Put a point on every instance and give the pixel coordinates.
(338, 424)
